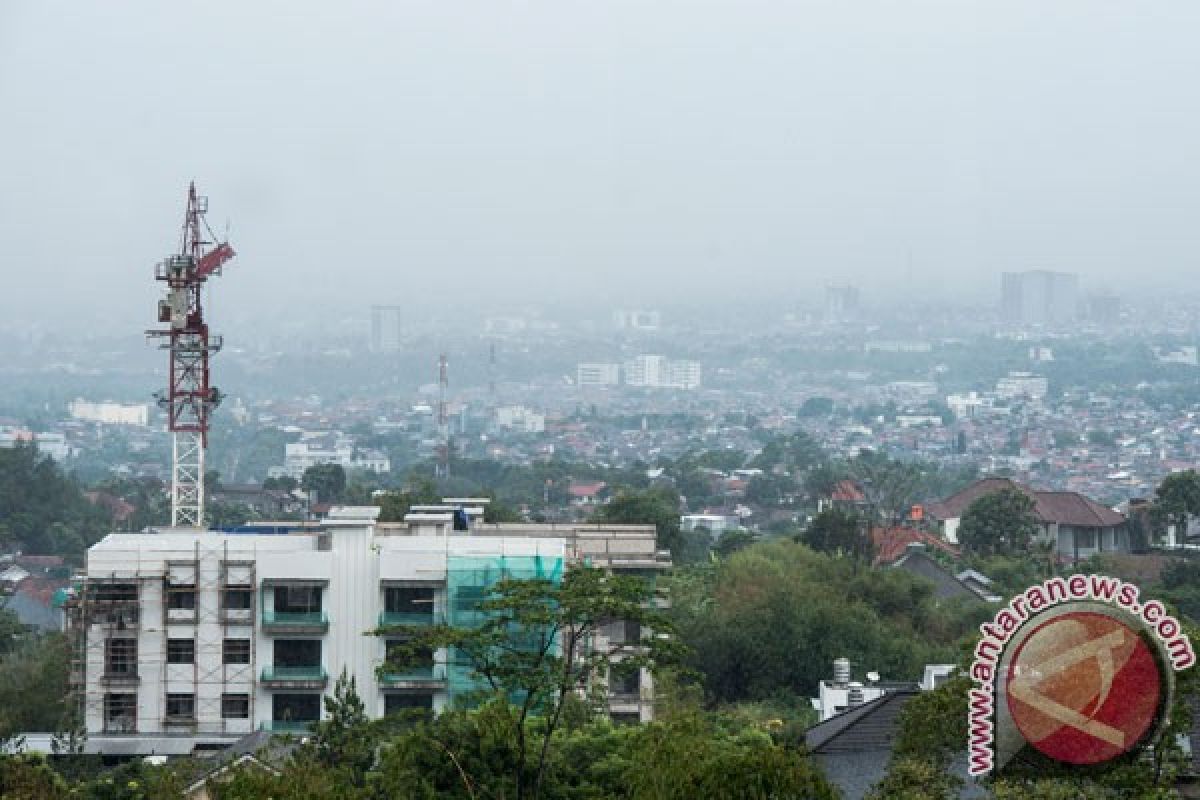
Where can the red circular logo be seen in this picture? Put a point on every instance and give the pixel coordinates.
(1084, 688)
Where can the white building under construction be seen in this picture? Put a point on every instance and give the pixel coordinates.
(187, 640)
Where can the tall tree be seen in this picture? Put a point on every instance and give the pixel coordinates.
(658, 506)
(536, 646)
(835, 531)
(1176, 500)
(999, 523)
(329, 481)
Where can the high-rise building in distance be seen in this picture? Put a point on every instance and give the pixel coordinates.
(1040, 297)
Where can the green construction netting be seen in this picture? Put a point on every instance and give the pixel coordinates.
(469, 580)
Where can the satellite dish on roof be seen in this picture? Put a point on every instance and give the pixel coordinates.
(873, 677)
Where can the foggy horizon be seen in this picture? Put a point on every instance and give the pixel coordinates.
(586, 155)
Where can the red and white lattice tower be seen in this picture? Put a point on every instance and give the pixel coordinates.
(189, 399)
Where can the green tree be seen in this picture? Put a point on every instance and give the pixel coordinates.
(690, 757)
(536, 646)
(28, 777)
(34, 691)
(816, 407)
(835, 531)
(766, 623)
(341, 738)
(394, 505)
(284, 483)
(998, 523)
(228, 515)
(658, 506)
(1177, 499)
(328, 480)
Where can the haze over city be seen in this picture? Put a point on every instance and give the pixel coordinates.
(571, 152)
(634, 400)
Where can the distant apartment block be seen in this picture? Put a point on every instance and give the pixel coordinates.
(640, 320)
(1188, 355)
(110, 413)
(328, 448)
(386, 329)
(598, 374)
(520, 419)
(1022, 385)
(841, 303)
(967, 404)
(1040, 297)
(897, 346)
(655, 371)
(49, 443)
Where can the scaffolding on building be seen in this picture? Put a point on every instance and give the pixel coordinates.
(203, 599)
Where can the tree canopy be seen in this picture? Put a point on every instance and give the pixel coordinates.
(998, 523)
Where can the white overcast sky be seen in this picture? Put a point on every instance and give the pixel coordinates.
(486, 151)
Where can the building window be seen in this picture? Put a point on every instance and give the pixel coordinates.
(181, 598)
(236, 651)
(116, 592)
(408, 600)
(297, 653)
(1085, 538)
(181, 651)
(237, 599)
(120, 713)
(625, 683)
(181, 706)
(120, 658)
(395, 702)
(295, 707)
(297, 599)
(235, 706)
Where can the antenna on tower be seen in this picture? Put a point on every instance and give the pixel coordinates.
(189, 398)
(492, 373)
(443, 460)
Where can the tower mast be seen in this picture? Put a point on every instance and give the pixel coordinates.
(189, 399)
(443, 421)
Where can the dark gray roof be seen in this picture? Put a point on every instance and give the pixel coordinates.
(945, 584)
(870, 727)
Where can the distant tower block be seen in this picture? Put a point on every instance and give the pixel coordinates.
(492, 373)
(190, 398)
(841, 303)
(385, 329)
(443, 421)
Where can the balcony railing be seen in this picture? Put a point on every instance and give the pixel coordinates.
(432, 675)
(297, 677)
(390, 618)
(287, 725)
(116, 678)
(297, 621)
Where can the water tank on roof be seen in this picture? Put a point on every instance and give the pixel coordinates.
(841, 671)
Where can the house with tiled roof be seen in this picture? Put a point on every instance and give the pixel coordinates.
(589, 493)
(1078, 526)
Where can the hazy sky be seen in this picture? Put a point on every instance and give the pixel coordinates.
(438, 152)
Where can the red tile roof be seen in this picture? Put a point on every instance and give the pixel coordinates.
(586, 489)
(890, 544)
(847, 492)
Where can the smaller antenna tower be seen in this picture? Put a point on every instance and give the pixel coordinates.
(443, 456)
(492, 373)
